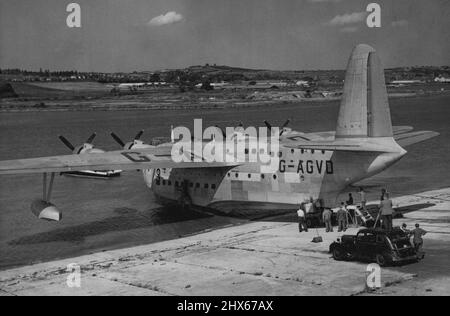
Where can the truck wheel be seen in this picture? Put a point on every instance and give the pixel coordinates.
(338, 254)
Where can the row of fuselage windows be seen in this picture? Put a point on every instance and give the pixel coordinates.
(207, 185)
(213, 186)
(191, 185)
(263, 176)
(280, 154)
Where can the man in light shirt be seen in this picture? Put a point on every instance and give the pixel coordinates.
(326, 216)
(386, 212)
(302, 220)
(342, 218)
(362, 196)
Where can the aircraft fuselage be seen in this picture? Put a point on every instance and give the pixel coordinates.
(301, 175)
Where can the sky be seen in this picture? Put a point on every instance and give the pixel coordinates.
(138, 35)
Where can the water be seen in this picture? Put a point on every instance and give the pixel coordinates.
(100, 214)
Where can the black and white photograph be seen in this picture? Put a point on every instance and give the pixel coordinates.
(225, 153)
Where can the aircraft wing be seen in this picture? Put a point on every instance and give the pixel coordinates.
(407, 139)
(138, 159)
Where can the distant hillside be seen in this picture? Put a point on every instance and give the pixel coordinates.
(218, 73)
(215, 68)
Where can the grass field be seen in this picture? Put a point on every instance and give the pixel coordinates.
(74, 86)
(59, 89)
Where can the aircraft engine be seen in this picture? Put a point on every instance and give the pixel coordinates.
(46, 211)
(86, 148)
(284, 129)
(136, 143)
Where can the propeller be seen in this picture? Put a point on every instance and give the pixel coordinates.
(121, 142)
(288, 121)
(78, 149)
(269, 126)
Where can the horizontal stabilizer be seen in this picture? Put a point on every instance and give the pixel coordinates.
(401, 129)
(331, 134)
(407, 139)
(339, 145)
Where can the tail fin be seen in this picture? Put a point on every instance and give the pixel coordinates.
(364, 110)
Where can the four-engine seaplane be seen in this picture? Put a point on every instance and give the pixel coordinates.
(316, 166)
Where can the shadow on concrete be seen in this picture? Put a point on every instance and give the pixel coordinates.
(435, 264)
(127, 219)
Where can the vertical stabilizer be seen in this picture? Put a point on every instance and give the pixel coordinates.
(364, 110)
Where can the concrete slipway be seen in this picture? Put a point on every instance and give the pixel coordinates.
(254, 258)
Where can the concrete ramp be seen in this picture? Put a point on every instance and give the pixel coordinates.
(260, 258)
(255, 258)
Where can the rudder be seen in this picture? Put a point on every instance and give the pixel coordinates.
(364, 110)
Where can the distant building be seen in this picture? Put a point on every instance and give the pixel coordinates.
(302, 83)
(133, 85)
(442, 79)
(405, 81)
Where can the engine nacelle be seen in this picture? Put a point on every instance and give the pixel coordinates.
(46, 211)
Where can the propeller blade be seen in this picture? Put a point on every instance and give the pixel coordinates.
(286, 123)
(117, 139)
(66, 142)
(284, 126)
(139, 135)
(91, 138)
(268, 125)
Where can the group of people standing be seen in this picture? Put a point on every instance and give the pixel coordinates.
(342, 219)
(386, 212)
(342, 215)
(417, 234)
(327, 216)
(386, 215)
